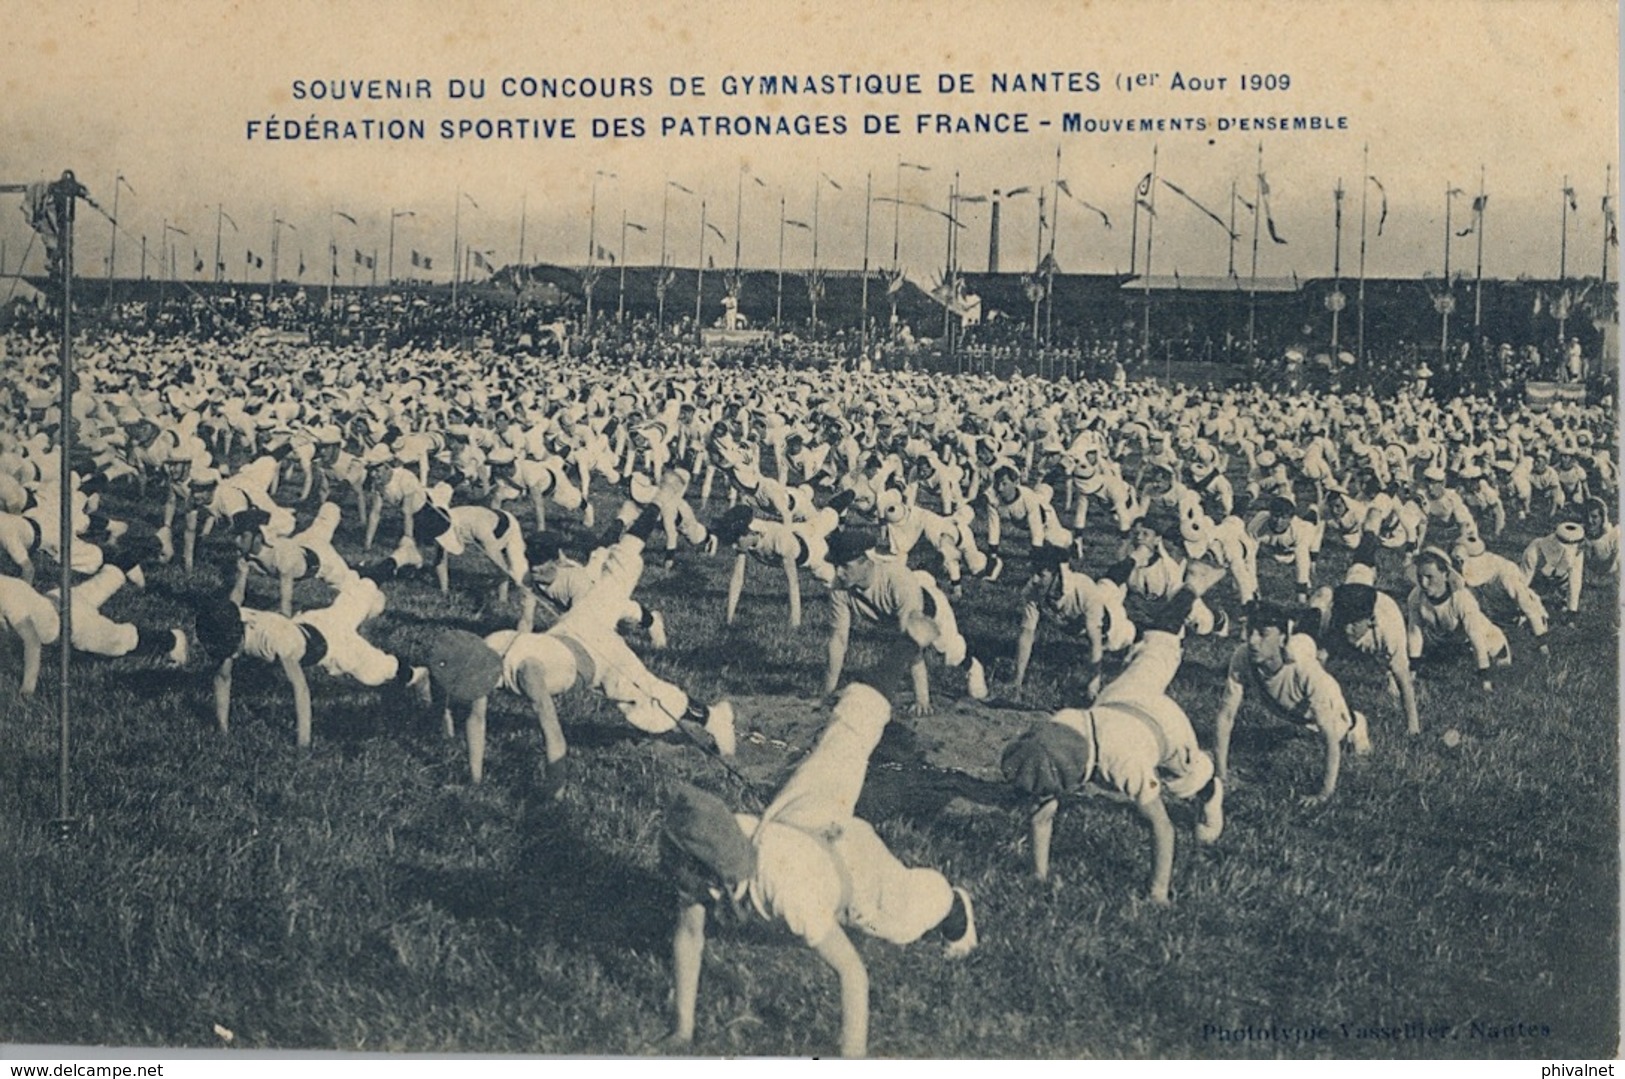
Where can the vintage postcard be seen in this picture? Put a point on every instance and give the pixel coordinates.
(920, 530)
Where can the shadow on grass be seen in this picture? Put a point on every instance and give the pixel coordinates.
(902, 784)
(558, 889)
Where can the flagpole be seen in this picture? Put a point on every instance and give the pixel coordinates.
(699, 280)
(1607, 230)
(163, 261)
(739, 212)
(660, 278)
(1150, 234)
(948, 265)
(1230, 270)
(1252, 287)
(1563, 243)
(65, 192)
(219, 216)
(1049, 276)
(620, 288)
(778, 303)
(1478, 272)
(812, 283)
(333, 248)
(868, 206)
(1134, 231)
(1365, 186)
(112, 253)
(1449, 293)
(1337, 264)
(896, 213)
(520, 261)
(456, 241)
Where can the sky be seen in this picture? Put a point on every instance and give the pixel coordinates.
(1519, 97)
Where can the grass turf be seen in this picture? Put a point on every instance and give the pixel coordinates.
(1453, 900)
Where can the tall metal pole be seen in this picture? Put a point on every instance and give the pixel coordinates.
(520, 261)
(1337, 264)
(1449, 293)
(868, 206)
(456, 247)
(1150, 235)
(778, 303)
(1134, 231)
(812, 280)
(1049, 275)
(1230, 268)
(65, 194)
(1563, 243)
(1480, 206)
(1365, 185)
(112, 251)
(699, 280)
(620, 291)
(1252, 287)
(660, 277)
(1607, 220)
(219, 219)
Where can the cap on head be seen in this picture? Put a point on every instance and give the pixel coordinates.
(464, 666)
(701, 826)
(847, 545)
(219, 627)
(1049, 760)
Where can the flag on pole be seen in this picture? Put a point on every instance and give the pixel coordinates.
(1574, 205)
(1014, 191)
(973, 198)
(797, 224)
(301, 262)
(635, 226)
(1478, 213)
(471, 201)
(911, 165)
(680, 187)
(347, 217)
(197, 263)
(832, 182)
(1382, 191)
(359, 260)
(1217, 220)
(1146, 206)
(716, 230)
(1269, 218)
(1145, 186)
(227, 219)
(606, 254)
(480, 261)
(417, 259)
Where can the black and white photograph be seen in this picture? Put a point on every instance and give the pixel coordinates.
(474, 476)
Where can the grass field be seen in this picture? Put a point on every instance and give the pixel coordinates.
(1452, 901)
